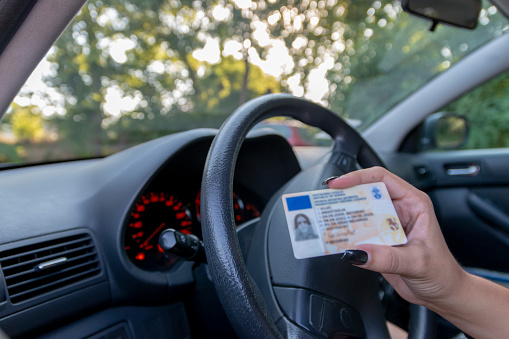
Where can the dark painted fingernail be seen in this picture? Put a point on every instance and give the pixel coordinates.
(355, 257)
(326, 181)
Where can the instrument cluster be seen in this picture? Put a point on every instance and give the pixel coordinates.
(157, 210)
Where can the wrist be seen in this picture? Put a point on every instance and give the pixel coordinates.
(459, 306)
(455, 296)
(478, 307)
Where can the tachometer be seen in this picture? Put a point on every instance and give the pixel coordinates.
(242, 212)
(153, 213)
(250, 212)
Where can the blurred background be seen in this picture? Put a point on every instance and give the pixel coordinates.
(125, 72)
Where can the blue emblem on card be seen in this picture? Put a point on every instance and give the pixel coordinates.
(375, 191)
(298, 203)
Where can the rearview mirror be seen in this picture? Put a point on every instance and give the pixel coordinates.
(444, 131)
(461, 13)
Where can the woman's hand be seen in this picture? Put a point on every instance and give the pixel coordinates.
(423, 271)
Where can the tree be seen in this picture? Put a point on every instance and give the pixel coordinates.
(131, 71)
(150, 63)
(27, 124)
(486, 109)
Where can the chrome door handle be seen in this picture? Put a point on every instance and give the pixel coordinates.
(470, 170)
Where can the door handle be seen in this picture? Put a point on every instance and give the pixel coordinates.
(472, 170)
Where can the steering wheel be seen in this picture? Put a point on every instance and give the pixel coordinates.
(277, 295)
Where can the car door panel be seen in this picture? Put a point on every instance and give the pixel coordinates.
(473, 242)
(470, 193)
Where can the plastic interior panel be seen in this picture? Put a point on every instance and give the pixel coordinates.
(142, 322)
(101, 277)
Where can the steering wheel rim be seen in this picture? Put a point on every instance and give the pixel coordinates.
(240, 296)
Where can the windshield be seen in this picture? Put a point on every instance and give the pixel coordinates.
(125, 72)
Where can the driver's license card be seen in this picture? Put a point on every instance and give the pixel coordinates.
(331, 221)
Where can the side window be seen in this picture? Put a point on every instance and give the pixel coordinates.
(487, 111)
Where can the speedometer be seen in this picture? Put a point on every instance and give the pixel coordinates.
(153, 213)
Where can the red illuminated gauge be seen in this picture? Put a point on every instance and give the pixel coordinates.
(153, 213)
(250, 212)
(240, 212)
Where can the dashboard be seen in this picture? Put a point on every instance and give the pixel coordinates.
(93, 227)
(78, 239)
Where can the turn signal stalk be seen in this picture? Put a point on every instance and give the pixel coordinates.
(186, 246)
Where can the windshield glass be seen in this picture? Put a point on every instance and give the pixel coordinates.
(125, 72)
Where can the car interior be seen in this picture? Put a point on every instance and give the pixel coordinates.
(80, 248)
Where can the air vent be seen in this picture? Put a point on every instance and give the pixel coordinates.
(33, 270)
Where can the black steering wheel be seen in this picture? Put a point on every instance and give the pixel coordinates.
(277, 295)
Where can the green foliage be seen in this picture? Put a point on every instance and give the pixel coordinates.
(8, 153)
(172, 87)
(487, 110)
(145, 54)
(26, 124)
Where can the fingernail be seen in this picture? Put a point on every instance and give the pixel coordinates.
(355, 257)
(326, 181)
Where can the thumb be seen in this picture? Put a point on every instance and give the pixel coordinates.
(383, 259)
